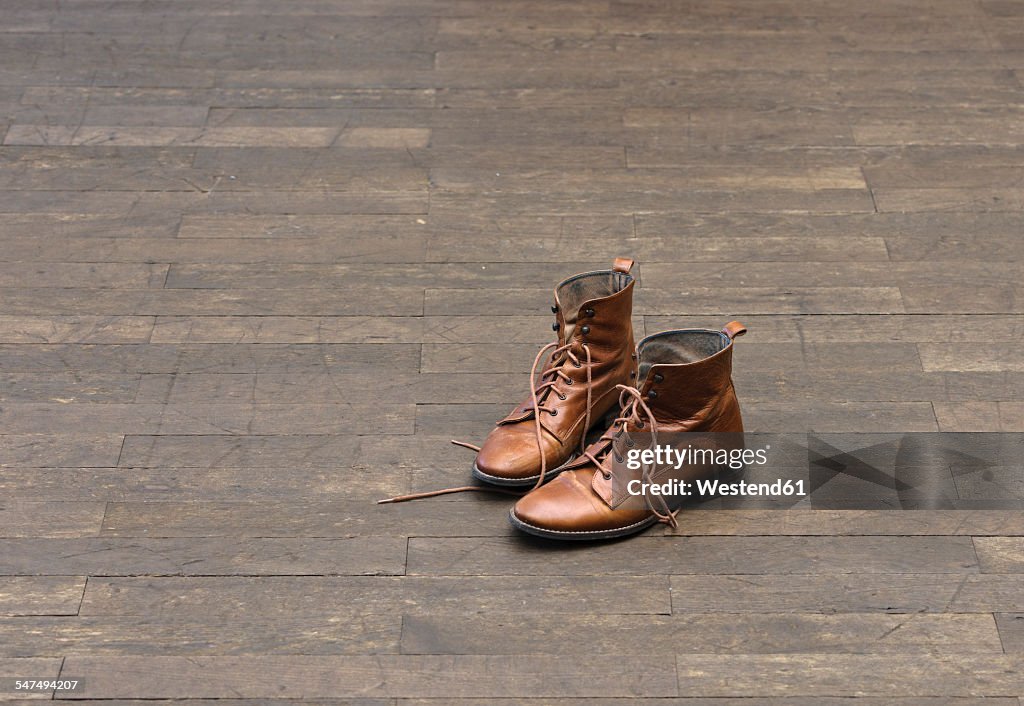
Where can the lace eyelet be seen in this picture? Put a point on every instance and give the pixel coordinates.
(590, 312)
(562, 397)
(569, 382)
(607, 475)
(618, 458)
(578, 365)
(554, 413)
(639, 425)
(629, 442)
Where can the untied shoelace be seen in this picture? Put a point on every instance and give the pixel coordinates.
(599, 452)
(543, 389)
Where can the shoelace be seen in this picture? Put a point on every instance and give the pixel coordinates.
(605, 447)
(549, 385)
(537, 390)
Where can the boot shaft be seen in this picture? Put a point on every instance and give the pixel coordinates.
(686, 379)
(595, 308)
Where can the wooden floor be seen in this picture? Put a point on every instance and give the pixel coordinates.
(260, 260)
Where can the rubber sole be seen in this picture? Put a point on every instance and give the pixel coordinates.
(527, 482)
(580, 536)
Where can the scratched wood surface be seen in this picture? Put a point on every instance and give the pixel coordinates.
(260, 260)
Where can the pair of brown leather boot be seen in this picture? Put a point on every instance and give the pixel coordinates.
(594, 374)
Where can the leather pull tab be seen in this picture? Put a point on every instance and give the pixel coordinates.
(622, 264)
(734, 329)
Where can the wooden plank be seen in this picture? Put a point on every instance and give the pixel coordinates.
(191, 200)
(33, 668)
(160, 177)
(308, 477)
(851, 417)
(382, 675)
(309, 276)
(199, 557)
(295, 451)
(248, 242)
(40, 595)
(718, 633)
(69, 227)
(937, 226)
(212, 358)
(276, 597)
(561, 203)
(270, 701)
(981, 415)
(1000, 555)
(50, 519)
(868, 675)
(350, 329)
(965, 199)
(325, 230)
(323, 387)
(56, 95)
(812, 385)
(720, 701)
(356, 515)
(75, 329)
(958, 274)
(815, 593)
(695, 177)
(190, 302)
(162, 136)
(965, 125)
(99, 275)
(347, 631)
(202, 419)
(700, 555)
(67, 388)
(798, 522)
(995, 357)
(288, 329)
(65, 450)
(659, 249)
(1011, 631)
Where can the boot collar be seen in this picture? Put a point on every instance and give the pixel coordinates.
(680, 369)
(579, 297)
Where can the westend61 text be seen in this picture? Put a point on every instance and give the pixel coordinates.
(711, 488)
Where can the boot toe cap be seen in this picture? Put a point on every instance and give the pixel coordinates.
(511, 454)
(567, 506)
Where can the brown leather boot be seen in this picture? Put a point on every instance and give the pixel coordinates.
(577, 386)
(685, 386)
